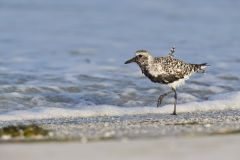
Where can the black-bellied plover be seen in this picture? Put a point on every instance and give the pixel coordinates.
(166, 70)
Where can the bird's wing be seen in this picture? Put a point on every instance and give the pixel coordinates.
(169, 78)
(172, 69)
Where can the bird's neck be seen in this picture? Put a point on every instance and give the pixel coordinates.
(145, 67)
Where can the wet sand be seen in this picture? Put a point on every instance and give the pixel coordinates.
(198, 148)
(132, 127)
(144, 126)
(197, 135)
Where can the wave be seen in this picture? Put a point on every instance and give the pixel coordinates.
(217, 102)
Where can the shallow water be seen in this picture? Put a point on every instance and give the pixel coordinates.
(66, 57)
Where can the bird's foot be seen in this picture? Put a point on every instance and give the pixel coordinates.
(161, 98)
(174, 113)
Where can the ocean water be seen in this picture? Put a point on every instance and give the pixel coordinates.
(66, 58)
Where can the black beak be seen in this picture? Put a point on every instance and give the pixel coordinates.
(131, 60)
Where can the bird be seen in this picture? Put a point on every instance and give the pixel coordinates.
(166, 70)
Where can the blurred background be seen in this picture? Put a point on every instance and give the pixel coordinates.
(70, 54)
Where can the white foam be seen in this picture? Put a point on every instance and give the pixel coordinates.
(220, 102)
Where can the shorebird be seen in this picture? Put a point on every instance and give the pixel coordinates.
(166, 70)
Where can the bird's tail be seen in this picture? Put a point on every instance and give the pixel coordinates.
(200, 67)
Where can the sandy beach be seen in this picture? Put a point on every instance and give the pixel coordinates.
(203, 135)
(187, 148)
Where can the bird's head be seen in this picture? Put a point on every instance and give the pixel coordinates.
(142, 57)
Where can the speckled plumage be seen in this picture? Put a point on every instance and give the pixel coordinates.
(166, 70)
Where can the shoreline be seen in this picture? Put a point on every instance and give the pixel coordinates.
(134, 127)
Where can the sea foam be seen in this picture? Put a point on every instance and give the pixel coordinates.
(217, 102)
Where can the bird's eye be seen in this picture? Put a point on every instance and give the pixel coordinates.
(140, 56)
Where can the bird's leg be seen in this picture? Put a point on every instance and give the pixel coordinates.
(161, 98)
(175, 102)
